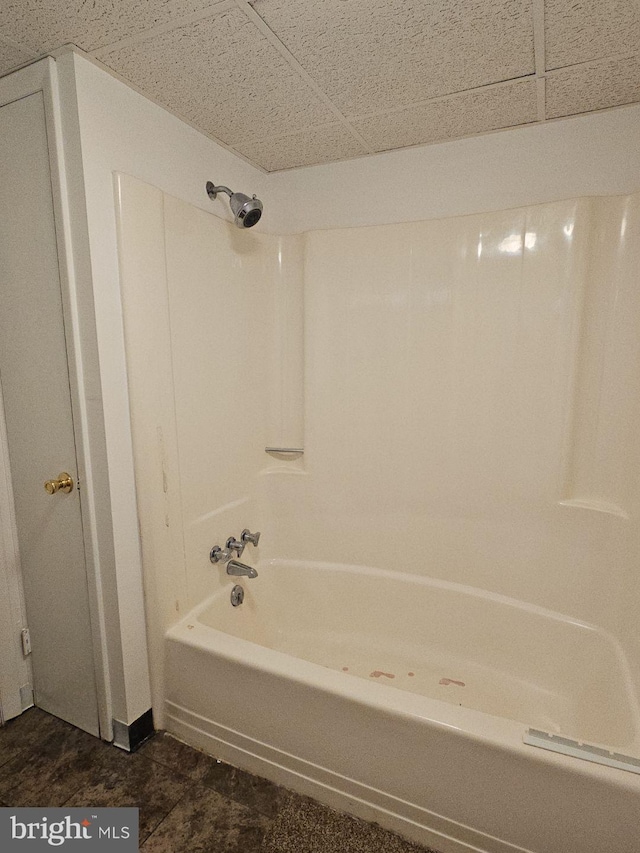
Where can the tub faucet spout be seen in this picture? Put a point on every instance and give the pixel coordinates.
(238, 569)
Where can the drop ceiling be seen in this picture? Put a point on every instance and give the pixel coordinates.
(289, 83)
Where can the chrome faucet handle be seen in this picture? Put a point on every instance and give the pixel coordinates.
(248, 536)
(234, 545)
(220, 555)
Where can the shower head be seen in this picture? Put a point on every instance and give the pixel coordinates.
(246, 210)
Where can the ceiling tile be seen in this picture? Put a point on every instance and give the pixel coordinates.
(589, 29)
(222, 75)
(478, 111)
(47, 24)
(11, 56)
(372, 55)
(310, 147)
(593, 86)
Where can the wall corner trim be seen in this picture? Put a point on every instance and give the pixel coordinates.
(131, 737)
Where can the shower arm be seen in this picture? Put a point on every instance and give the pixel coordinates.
(213, 191)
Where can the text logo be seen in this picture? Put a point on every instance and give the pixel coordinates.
(105, 830)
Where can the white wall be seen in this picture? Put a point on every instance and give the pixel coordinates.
(587, 155)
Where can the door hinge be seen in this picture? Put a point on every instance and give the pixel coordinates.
(26, 641)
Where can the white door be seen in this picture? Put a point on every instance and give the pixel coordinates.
(34, 379)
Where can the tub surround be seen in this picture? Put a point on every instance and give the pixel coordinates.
(464, 392)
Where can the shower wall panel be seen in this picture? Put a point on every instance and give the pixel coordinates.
(471, 403)
(219, 307)
(603, 465)
(214, 363)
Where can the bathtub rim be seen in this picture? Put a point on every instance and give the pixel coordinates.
(420, 580)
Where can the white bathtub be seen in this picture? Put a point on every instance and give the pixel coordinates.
(405, 701)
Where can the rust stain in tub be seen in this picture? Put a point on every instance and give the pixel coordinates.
(448, 681)
(378, 672)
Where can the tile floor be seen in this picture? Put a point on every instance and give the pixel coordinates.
(188, 801)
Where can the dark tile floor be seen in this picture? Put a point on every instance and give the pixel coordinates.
(188, 801)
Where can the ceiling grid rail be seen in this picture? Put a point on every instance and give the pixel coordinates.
(539, 55)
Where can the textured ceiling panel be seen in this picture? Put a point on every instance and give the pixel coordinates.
(593, 86)
(223, 75)
(47, 24)
(590, 29)
(302, 149)
(372, 55)
(11, 57)
(295, 82)
(450, 118)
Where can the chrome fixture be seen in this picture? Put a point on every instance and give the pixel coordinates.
(220, 555)
(247, 536)
(240, 570)
(223, 555)
(234, 545)
(237, 595)
(246, 211)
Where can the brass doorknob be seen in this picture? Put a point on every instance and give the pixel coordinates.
(64, 483)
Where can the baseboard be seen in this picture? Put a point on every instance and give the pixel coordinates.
(338, 792)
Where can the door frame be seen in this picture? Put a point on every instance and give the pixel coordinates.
(86, 402)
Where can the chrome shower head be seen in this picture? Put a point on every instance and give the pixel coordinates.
(246, 210)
